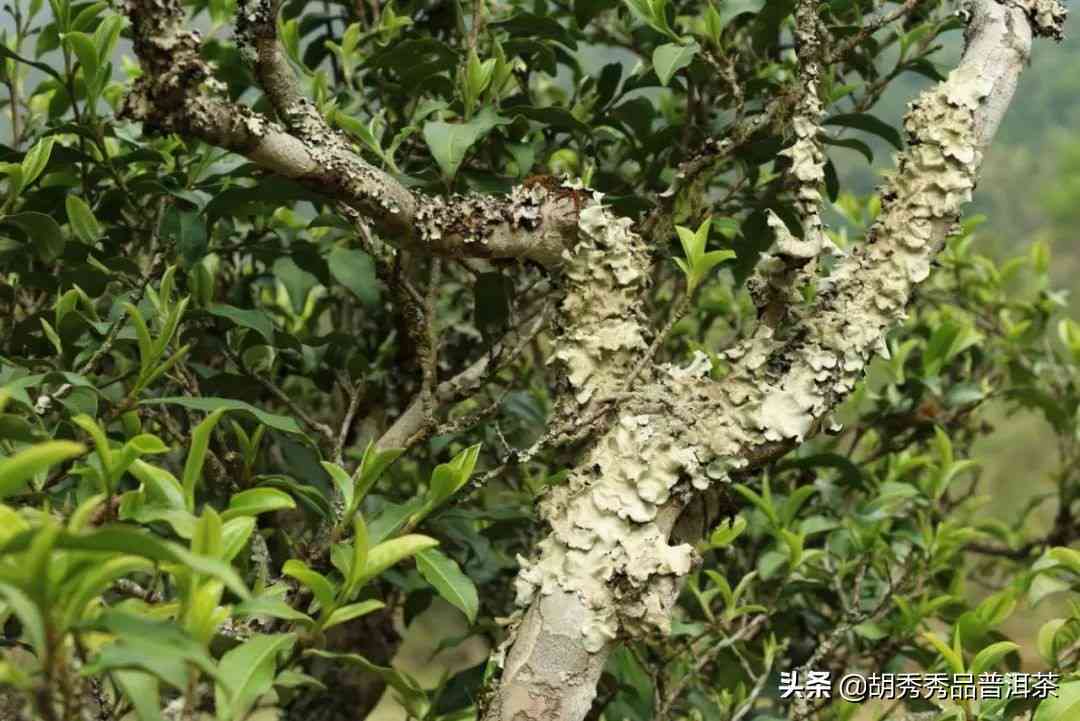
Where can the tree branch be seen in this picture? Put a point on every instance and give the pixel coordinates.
(606, 570)
(177, 93)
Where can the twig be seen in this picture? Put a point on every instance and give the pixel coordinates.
(354, 395)
(321, 428)
(747, 632)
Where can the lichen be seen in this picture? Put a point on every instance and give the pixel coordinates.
(605, 275)
(1047, 17)
(606, 544)
(806, 154)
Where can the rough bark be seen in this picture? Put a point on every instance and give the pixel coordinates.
(606, 571)
(177, 93)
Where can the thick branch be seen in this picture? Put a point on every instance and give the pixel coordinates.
(606, 570)
(806, 155)
(177, 93)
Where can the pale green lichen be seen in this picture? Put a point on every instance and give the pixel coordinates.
(609, 538)
(606, 544)
(605, 274)
(1047, 16)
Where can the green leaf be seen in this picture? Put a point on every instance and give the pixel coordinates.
(353, 610)
(310, 497)
(727, 532)
(1046, 642)
(670, 58)
(252, 318)
(393, 517)
(698, 264)
(186, 229)
(159, 648)
(355, 270)
(143, 690)
(36, 160)
(85, 50)
(794, 502)
(101, 442)
(448, 478)
(1065, 707)
(106, 35)
(537, 27)
(235, 533)
(82, 220)
(272, 607)
(52, 335)
(209, 404)
(870, 124)
(296, 679)
(247, 672)
(17, 428)
(388, 553)
(372, 465)
(361, 548)
(652, 13)
(254, 501)
(161, 486)
(207, 540)
(43, 232)
(991, 655)
(449, 142)
(954, 659)
(196, 457)
(127, 539)
(318, 584)
(586, 10)
(851, 143)
(341, 479)
(551, 116)
(29, 615)
(94, 582)
(1068, 557)
(415, 60)
(47, 68)
(444, 574)
(731, 9)
(17, 470)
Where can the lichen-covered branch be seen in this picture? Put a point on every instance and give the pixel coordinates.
(775, 285)
(177, 93)
(256, 35)
(806, 155)
(607, 571)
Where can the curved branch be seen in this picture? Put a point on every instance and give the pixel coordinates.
(177, 93)
(256, 35)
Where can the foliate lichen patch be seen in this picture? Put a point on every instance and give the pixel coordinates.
(1047, 17)
(779, 388)
(605, 276)
(607, 544)
(534, 223)
(806, 154)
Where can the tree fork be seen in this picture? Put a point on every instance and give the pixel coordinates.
(605, 572)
